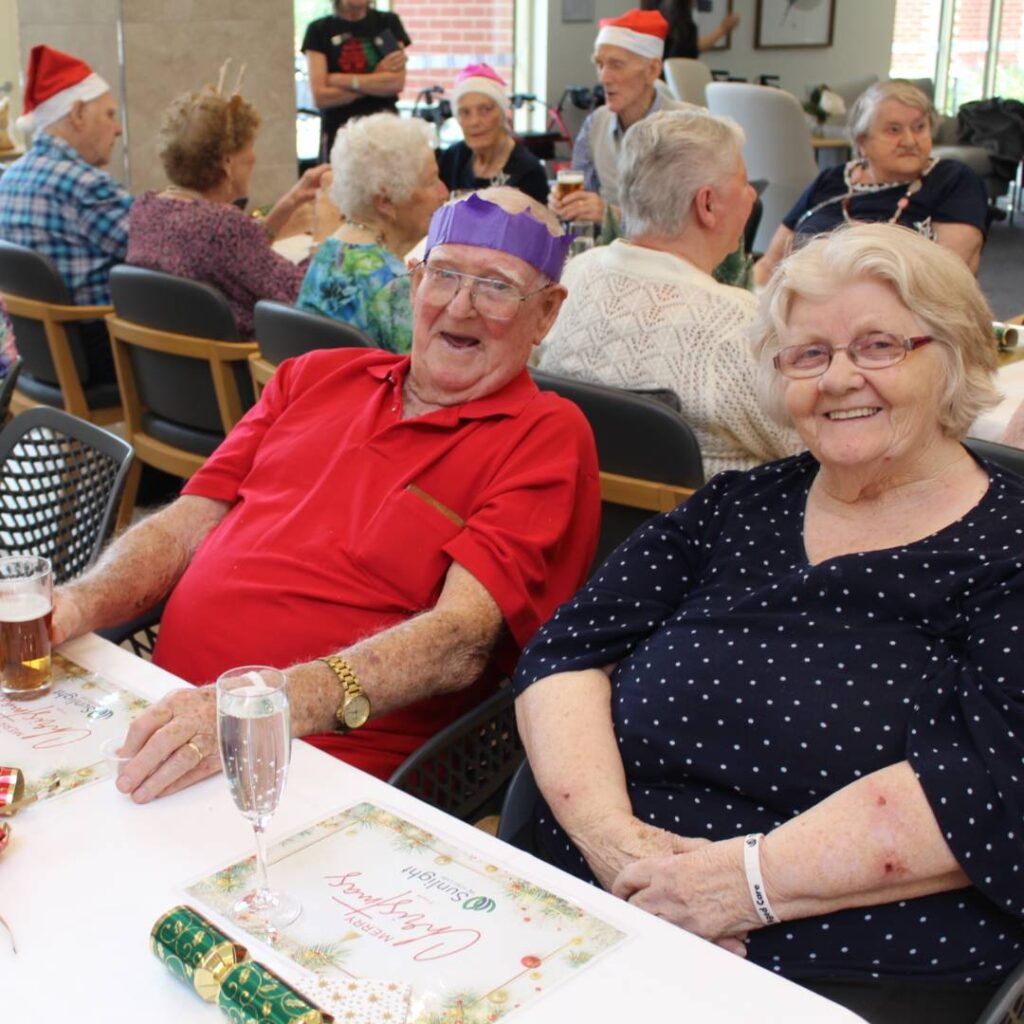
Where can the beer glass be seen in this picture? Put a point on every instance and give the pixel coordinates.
(254, 729)
(26, 608)
(567, 182)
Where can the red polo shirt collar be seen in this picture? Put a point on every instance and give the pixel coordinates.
(507, 401)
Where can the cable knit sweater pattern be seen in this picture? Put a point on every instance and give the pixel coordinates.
(640, 319)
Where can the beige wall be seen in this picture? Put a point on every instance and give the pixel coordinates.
(169, 48)
(10, 66)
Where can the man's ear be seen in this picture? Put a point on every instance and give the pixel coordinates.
(704, 206)
(550, 305)
(76, 115)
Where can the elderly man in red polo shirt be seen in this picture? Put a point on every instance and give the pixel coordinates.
(391, 530)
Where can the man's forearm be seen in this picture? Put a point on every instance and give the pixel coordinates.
(139, 568)
(440, 651)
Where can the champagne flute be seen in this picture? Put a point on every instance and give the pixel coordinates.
(254, 728)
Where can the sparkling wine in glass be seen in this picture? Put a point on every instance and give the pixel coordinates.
(254, 727)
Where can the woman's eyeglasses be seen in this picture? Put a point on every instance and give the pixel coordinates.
(871, 352)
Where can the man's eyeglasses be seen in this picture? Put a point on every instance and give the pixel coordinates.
(872, 352)
(493, 299)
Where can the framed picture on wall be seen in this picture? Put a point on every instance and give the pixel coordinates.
(781, 24)
(708, 15)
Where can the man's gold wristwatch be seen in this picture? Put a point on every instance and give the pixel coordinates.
(354, 709)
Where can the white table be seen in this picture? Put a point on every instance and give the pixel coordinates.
(88, 874)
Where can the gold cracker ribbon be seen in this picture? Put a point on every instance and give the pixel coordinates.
(221, 972)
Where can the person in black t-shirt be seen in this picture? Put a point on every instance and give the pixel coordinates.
(490, 154)
(356, 59)
(683, 39)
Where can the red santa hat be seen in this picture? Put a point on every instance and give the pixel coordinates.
(54, 83)
(641, 32)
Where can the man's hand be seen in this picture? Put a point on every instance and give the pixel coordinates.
(578, 206)
(171, 745)
(67, 618)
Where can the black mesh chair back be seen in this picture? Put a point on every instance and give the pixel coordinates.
(178, 392)
(60, 482)
(28, 274)
(284, 331)
(463, 768)
(636, 436)
(1003, 455)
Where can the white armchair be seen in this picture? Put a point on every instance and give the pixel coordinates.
(778, 148)
(687, 79)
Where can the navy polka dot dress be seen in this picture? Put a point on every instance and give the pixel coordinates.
(752, 684)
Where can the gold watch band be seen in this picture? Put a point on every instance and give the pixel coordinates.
(351, 692)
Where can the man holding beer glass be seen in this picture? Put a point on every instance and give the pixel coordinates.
(389, 529)
(26, 606)
(627, 55)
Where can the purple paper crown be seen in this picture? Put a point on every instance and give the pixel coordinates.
(475, 221)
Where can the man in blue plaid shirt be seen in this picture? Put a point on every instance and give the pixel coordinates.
(56, 199)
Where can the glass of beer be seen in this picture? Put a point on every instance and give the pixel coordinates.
(26, 608)
(567, 182)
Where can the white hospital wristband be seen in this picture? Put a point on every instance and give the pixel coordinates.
(755, 883)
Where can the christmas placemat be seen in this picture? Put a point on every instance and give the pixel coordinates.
(384, 898)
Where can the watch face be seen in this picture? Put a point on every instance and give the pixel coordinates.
(357, 711)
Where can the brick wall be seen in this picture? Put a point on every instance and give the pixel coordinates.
(447, 35)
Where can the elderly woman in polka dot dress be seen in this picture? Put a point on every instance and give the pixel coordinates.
(789, 715)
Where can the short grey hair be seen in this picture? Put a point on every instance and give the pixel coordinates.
(375, 155)
(666, 159)
(933, 283)
(862, 114)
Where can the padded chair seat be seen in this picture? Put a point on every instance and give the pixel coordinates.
(97, 396)
(201, 442)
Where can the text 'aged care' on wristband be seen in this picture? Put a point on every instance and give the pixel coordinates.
(755, 883)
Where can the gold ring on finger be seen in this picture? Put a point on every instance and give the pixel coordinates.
(199, 754)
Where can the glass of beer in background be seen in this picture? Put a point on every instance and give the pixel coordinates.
(567, 182)
(26, 608)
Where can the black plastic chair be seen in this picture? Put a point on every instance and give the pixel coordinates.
(462, 769)
(519, 810)
(283, 331)
(55, 368)
(60, 482)
(647, 453)
(1007, 1005)
(183, 371)
(1003, 455)
(753, 223)
(7, 385)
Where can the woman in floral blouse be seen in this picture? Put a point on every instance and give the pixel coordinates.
(386, 185)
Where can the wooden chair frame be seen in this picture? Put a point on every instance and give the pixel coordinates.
(261, 369)
(634, 492)
(54, 319)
